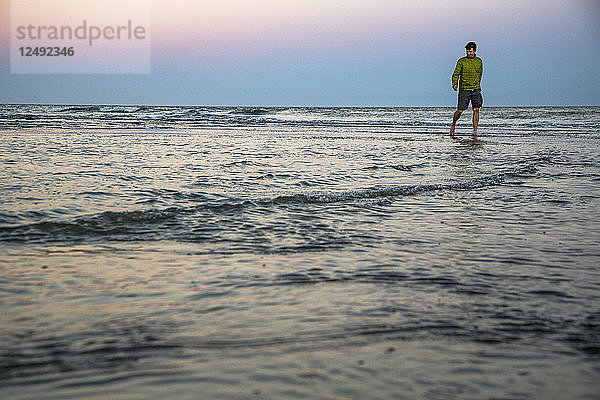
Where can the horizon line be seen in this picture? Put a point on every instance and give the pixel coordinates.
(289, 106)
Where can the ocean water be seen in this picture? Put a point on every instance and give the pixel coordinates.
(283, 253)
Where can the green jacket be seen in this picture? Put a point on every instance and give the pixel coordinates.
(470, 71)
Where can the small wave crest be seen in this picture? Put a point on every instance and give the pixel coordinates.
(252, 111)
(384, 191)
(81, 109)
(223, 213)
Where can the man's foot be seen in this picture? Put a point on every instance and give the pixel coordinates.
(452, 128)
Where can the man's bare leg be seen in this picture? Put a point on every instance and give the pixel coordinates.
(475, 120)
(455, 118)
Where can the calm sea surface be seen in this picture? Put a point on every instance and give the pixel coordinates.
(283, 253)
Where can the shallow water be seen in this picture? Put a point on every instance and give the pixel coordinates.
(293, 253)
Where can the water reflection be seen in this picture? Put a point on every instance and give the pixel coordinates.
(473, 141)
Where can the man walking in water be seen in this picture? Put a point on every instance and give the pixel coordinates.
(469, 69)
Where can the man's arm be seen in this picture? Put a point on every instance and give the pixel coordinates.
(456, 74)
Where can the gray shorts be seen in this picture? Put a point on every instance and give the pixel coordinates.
(466, 96)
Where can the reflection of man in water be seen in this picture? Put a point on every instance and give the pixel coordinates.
(469, 69)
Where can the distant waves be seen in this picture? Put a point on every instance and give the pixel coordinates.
(497, 120)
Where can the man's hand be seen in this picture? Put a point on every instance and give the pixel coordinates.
(455, 87)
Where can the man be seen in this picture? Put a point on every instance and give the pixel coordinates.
(469, 69)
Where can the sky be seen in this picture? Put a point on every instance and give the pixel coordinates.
(338, 53)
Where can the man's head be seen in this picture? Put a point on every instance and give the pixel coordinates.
(471, 48)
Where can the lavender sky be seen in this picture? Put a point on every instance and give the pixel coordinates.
(340, 53)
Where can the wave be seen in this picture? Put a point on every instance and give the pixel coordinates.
(199, 217)
(81, 109)
(387, 191)
(498, 121)
(252, 111)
